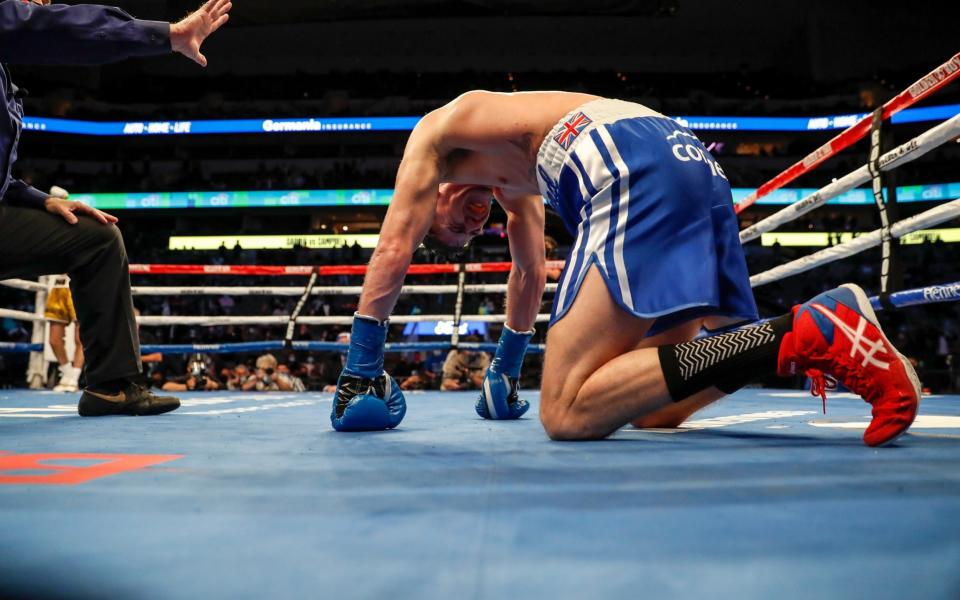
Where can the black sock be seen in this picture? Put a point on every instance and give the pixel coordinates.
(727, 362)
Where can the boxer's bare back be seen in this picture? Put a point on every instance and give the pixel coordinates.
(491, 139)
(480, 146)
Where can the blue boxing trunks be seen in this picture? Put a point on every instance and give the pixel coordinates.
(651, 208)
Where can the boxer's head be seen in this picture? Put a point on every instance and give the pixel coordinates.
(462, 211)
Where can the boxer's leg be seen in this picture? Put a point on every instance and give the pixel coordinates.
(58, 342)
(589, 390)
(78, 358)
(596, 380)
(676, 413)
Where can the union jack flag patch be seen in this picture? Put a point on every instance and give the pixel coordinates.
(571, 129)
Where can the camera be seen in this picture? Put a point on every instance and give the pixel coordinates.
(198, 370)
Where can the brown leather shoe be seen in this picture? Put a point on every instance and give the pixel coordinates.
(136, 400)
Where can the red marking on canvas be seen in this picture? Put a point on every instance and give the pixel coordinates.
(60, 474)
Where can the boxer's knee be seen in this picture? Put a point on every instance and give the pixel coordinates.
(564, 419)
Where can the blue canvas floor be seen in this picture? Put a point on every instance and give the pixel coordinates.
(760, 496)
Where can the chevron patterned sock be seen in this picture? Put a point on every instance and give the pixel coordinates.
(727, 361)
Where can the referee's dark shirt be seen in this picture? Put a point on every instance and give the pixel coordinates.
(60, 35)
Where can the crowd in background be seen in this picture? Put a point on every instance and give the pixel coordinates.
(929, 335)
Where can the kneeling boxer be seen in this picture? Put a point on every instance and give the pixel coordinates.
(657, 256)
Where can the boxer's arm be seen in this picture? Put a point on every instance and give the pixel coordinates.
(528, 275)
(407, 221)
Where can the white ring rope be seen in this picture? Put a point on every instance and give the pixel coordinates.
(284, 319)
(317, 291)
(211, 321)
(23, 284)
(901, 155)
(19, 315)
(934, 216)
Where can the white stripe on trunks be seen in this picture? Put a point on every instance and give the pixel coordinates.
(561, 293)
(595, 170)
(622, 214)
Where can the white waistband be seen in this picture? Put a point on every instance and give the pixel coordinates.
(552, 156)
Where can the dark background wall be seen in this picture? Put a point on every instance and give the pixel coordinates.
(817, 41)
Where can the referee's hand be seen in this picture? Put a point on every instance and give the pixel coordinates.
(188, 35)
(69, 209)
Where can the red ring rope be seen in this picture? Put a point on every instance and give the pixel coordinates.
(932, 82)
(419, 269)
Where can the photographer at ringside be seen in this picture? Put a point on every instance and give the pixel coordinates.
(198, 378)
(268, 378)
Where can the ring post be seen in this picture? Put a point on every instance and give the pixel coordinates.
(890, 270)
(458, 308)
(37, 366)
(292, 324)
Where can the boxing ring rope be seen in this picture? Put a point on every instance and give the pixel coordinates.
(23, 284)
(485, 288)
(926, 219)
(20, 315)
(305, 271)
(282, 320)
(873, 171)
(923, 87)
(897, 157)
(949, 292)
(213, 321)
(933, 294)
(925, 295)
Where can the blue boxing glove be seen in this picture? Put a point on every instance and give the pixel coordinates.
(367, 399)
(498, 396)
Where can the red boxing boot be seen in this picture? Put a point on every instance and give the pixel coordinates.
(837, 333)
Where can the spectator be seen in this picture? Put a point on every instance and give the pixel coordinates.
(157, 378)
(239, 378)
(464, 370)
(267, 378)
(283, 372)
(60, 313)
(414, 374)
(332, 363)
(198, 377)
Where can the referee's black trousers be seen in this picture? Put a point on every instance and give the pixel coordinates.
(34, 242)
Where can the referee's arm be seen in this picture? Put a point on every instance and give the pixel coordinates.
(20, 194)
(82, 34)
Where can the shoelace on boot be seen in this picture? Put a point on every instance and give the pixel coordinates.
(820, 382)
